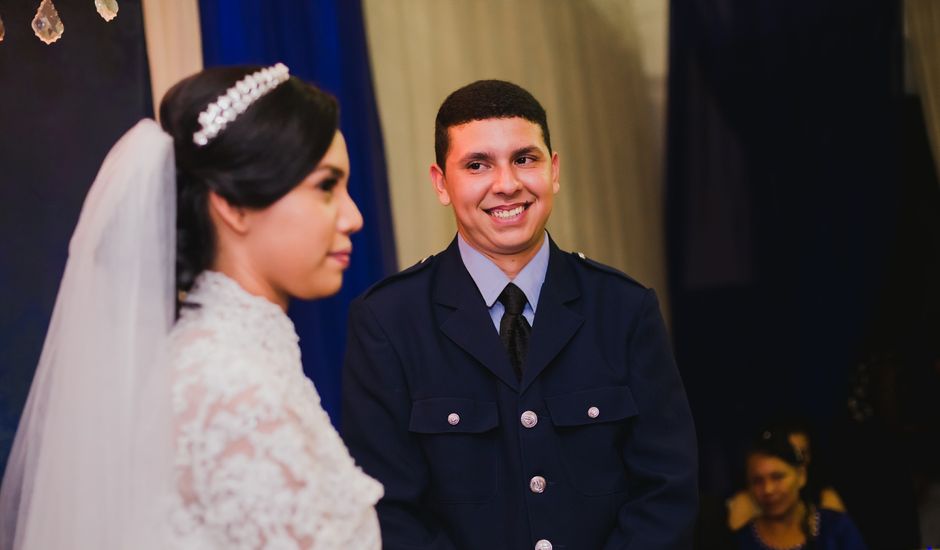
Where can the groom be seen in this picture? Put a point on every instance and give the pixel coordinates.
(510, 395)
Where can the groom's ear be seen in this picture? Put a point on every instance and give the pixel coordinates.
(223, 212)
(439, 182)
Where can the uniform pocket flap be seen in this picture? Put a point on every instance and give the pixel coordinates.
(592, 406)
(452, 415)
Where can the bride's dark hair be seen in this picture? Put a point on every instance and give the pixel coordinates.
(257, 159)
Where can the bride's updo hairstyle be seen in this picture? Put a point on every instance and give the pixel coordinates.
(254, 161)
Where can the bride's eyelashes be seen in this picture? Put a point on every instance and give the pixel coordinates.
(328, 184)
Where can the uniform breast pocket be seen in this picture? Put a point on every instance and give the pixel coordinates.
(459, 438)
(591, 426)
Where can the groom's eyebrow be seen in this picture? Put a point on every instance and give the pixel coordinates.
(476, 156)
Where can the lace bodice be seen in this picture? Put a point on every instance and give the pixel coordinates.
(258, 464)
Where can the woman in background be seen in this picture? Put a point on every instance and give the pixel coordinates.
(776, 477)
(741, 506)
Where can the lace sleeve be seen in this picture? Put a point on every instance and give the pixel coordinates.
(245, 466)
(258, 465)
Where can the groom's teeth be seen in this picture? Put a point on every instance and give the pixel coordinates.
(508, 213)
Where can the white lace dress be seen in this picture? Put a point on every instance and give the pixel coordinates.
(258, 464)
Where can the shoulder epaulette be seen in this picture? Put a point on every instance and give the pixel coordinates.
(401, 274)
(584, 260)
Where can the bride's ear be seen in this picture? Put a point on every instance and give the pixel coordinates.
(225, 213)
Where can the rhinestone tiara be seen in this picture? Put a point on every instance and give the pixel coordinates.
(236, 100)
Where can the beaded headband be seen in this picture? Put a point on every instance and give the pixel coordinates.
(236, 100)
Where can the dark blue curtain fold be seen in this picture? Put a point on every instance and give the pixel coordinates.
(783, 168)
(322, 41)
(785, 198)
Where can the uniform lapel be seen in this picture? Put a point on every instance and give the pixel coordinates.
(469, 324)
(555, 323)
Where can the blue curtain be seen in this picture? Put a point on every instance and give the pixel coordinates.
(785, 170)
(322, 41)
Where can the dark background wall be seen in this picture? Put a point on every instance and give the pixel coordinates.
(62, 106)
(802, 242)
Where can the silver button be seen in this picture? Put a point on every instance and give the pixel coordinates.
(453, 419)
(543, 545)
(594, 412)
(529, 419)
(537, 484)
(581, 255)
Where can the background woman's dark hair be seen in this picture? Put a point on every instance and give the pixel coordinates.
(776, 443)
(257, 159)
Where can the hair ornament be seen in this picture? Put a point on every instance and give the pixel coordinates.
(236, 100)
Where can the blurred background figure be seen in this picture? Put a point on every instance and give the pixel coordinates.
(787, 517)
(742, 507)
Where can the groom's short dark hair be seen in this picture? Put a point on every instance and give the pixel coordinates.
(481, 100)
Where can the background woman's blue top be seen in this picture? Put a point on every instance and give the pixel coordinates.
(836, 532)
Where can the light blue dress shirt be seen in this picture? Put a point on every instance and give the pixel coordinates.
(491, 280)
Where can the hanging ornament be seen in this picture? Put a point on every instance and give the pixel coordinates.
(47, 25)
(107, 9)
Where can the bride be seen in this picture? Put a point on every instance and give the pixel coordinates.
(169, 408)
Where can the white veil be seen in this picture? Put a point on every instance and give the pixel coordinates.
(93, 453)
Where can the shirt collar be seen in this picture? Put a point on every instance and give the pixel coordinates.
(491, 280)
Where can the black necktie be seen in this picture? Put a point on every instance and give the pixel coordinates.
(514, 329)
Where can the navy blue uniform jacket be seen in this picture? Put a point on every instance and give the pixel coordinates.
(422, 348)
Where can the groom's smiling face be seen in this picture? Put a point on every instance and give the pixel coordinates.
(501, 179)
